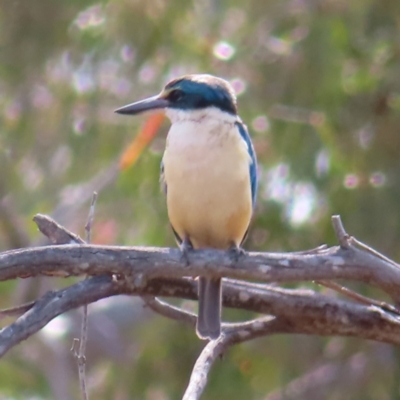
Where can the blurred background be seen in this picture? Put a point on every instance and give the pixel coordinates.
(318, 84)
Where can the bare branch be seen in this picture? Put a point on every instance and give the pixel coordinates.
(214, 349)
(150, 272)
(303, 311)
(169, 311)
(146, 263)
(50, 306)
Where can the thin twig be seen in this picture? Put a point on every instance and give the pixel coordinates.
(341, 234)
(88, 226)
(317, 250)
(80, 354)
(359, 297)
(16, 311)
(372, 251)
(169, 311)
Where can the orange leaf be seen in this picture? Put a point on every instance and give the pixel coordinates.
(143, 139)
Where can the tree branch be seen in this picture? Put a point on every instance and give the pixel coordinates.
(305, 311)
(146, 263)
(150, 272)
(214, 349)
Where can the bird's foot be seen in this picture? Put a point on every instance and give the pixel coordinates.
(235, 253)
(186, 248)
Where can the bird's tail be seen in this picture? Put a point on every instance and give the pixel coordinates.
(209, 319)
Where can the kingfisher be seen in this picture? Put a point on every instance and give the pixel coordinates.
(209, 175)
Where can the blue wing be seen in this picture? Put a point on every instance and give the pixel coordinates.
(253, 165)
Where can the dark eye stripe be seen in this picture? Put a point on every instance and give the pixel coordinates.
(190, 92)
(175, 95)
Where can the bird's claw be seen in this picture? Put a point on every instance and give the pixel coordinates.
(235, 253)
(186, 248)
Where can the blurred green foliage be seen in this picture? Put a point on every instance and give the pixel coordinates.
(318, 83)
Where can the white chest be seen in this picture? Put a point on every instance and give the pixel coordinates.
(209, 149)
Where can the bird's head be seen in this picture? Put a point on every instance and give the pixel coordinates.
(188, 93)
(191, 97)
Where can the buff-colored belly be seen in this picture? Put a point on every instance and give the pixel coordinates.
(209, 195)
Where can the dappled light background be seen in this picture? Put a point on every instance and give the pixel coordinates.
(318, 84)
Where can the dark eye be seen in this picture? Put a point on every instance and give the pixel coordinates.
(175, 95)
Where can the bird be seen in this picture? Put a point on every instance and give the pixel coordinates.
(209, 175)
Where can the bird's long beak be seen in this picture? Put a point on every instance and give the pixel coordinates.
(152, 103)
